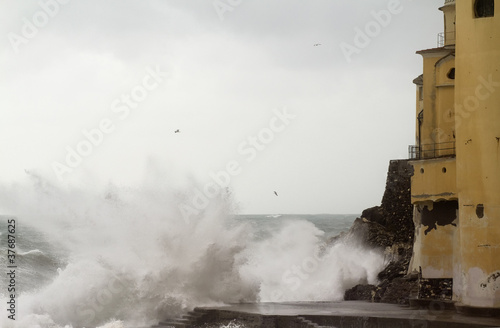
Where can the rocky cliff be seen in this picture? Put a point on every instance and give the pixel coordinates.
(389, 227)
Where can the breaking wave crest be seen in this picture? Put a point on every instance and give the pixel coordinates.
(126, 256)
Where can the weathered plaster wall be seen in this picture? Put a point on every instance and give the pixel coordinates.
(435, 239)
(477, 99)
(438, 124)
(434, 180)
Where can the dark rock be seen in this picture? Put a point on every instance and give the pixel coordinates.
(374, 214)
(370, 234)
(389, 227)
(396, 269)
(392, 221)
(360, 292)
(396, 291)
(440, 289)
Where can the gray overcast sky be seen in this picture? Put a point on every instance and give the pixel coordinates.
(225, 67)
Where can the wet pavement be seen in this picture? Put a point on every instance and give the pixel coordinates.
(434, 316)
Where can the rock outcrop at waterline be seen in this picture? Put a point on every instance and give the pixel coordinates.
(389, 227)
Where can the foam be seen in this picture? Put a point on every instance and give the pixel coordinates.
(134, 260)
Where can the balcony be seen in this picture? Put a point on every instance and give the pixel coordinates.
(435, 150)
(445, 38)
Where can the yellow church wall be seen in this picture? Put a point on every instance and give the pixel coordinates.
(433, 180)
(460, 240)
(429, 101)
(445, 100)
(477, 116)
(438, 121)
(419, 106)
(449, 23)
(433, 248)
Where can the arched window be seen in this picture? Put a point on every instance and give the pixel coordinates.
(484, 8)
(451, 74)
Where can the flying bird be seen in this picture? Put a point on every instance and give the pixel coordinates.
(276, 193)
(177, 131)
(317, 44)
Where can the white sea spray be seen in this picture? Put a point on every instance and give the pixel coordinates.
(131, 259)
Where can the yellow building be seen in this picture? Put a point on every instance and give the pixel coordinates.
(455, 187)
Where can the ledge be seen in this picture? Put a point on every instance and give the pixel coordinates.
(343, 314)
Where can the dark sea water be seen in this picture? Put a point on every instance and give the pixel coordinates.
(83, 260)
(330, 224)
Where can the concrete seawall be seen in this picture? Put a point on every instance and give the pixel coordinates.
(347, 314)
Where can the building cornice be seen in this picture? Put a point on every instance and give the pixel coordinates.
(435, 51)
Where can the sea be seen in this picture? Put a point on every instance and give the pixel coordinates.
(126, 257)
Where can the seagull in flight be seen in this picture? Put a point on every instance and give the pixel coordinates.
(276, 193)
(177, 131)
(317, 44)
